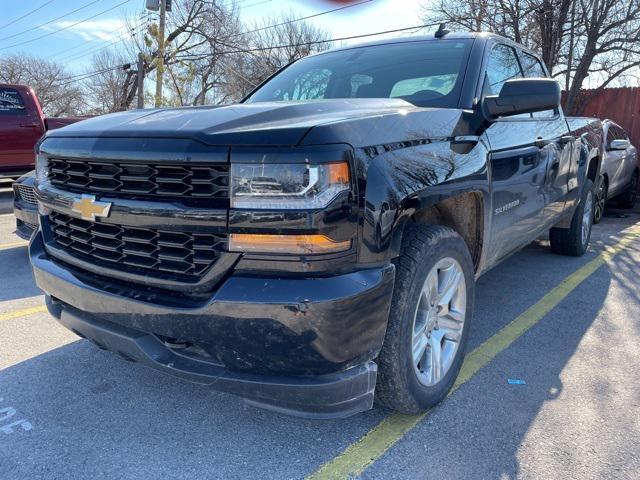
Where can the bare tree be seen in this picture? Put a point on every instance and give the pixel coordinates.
(200, 65)
(210, 57)
(270, 48)
(195, 32)
(113, 88)
(50, 80)
(578, 39)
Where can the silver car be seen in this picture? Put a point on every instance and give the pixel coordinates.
(620, 170)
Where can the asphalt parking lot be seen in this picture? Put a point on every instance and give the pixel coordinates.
(569, 328)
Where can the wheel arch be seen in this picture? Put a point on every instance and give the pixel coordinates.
(464, 212)
(594, 166)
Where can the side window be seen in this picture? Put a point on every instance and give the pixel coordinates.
(619, 133)
(503, 65)
(611, 134)
(11, 102)
(532, 67)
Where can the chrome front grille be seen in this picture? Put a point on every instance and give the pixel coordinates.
(26, 193)
(142, 250)
(147, 180)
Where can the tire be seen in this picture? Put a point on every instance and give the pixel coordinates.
(628, 198)
(402, 386)
(574, 240)
(600, 200)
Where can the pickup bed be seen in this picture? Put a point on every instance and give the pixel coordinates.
(22, 123)
(317, 244)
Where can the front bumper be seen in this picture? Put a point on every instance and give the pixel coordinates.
(26, 218)
(304, 346)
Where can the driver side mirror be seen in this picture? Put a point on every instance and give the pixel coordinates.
(620, 144)
(523, 95)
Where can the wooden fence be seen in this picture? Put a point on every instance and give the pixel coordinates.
(622, 105)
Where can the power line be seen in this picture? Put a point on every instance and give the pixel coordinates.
(127, 31)
(300, 19)
(86, 76)
(288, 22)
(256, 4)
(50, 21)
(98, 48)
(67, 27)
(315, 42)
(26, 14)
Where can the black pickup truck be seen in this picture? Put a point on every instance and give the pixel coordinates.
(319, 241)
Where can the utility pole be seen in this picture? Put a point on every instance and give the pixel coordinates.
(140, 80)
(160, 58)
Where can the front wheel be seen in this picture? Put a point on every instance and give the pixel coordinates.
(429, 321)
(574, 240)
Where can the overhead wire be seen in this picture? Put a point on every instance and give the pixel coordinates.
(31, 12)
(67, 27)
(315, 42)
(50, 21)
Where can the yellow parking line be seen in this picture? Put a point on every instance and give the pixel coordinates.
(7, 246)
(22, 313)
(359, 455)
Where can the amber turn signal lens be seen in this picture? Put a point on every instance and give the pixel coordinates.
(292, 244)
(338, 173)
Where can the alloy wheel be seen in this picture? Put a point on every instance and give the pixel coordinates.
(439, 321)
(587, 217)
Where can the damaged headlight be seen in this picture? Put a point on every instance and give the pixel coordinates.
(287, 186)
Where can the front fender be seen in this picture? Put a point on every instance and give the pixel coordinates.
(403, 181)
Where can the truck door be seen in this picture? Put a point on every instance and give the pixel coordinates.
(20, 129)
(518, 163)
(556, 148)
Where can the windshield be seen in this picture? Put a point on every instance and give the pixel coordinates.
(425, 73)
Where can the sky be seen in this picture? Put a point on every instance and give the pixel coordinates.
(33, 26)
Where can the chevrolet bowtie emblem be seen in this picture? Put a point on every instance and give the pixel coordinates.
(89, 208)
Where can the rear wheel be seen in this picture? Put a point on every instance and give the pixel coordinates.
(429, 321)
(628, 198)
(600, 200)
(574, 240)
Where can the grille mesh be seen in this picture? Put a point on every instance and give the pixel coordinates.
(26, 193)
(140, 179)
(142, 250)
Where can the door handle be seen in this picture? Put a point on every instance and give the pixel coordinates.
(541, 142)
(29, 125)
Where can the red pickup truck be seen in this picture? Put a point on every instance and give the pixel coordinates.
(22, 124)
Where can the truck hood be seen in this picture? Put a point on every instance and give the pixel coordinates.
(272, 124)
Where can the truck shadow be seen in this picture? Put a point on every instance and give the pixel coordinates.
(504, 425)
(482, 427)
(117, 415)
